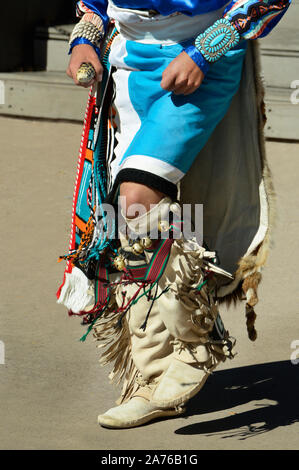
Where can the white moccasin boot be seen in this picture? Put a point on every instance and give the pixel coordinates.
(165, 333)
(190, 367)
(189, 312)
(136, 411)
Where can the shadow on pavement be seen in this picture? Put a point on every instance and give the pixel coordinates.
(277, 382)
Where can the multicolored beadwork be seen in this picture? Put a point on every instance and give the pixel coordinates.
(217, 40)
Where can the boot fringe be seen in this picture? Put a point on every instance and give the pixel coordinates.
(194, 286)
(115, 341)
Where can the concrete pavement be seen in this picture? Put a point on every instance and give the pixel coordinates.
(51, 385)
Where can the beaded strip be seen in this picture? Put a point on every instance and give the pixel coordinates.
(215, 41)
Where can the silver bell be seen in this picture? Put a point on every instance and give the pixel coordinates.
(146, 242)
(119, 262)
(137, 248)
(163, 226)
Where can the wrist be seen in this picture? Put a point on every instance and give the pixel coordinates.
(216, 40)
(84, 41)
(198, 58)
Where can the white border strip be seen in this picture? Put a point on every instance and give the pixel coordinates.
(153, 165)
(264, 222)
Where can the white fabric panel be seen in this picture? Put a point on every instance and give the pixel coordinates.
(140, 26)
(127, 119)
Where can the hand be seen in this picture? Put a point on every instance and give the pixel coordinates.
(182, 76)
(84, 53)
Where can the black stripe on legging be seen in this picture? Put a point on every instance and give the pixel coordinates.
(142, 177)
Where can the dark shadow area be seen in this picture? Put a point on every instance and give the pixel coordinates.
(275, 381)
(17, 36)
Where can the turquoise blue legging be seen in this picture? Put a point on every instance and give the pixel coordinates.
(174, 128)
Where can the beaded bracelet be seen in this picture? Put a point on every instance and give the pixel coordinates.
(215, 41)
(88, 28)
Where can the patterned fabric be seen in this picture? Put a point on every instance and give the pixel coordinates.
(91, 7)
(255, 18)
(250, 19)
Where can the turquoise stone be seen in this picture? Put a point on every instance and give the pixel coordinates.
(217, 39)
